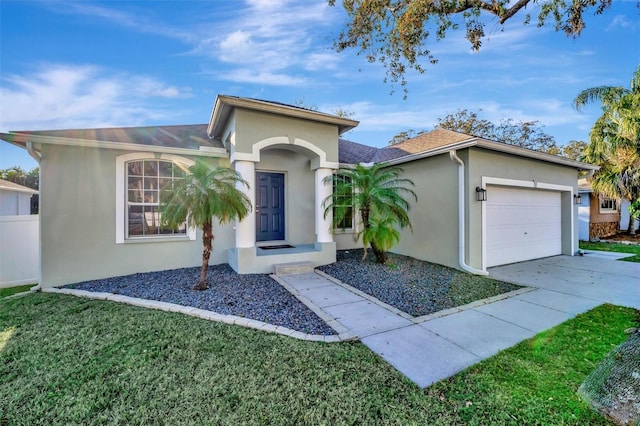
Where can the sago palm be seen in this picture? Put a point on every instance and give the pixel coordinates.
(377, 196)
(205, 194)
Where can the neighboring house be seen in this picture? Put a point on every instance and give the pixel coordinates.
(600, 216)
(15, 199)
(99, 201)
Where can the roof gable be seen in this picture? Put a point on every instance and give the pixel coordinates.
(225, 104)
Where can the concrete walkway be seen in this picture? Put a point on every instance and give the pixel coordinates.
(429, 349)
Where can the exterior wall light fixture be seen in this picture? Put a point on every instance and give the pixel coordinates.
(577, 198)
(481, 194)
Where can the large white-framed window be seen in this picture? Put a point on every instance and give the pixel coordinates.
(140, 178)
(608, 205)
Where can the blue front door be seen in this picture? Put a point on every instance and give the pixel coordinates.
(269, 206)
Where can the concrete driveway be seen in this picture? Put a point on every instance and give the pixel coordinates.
(428, 349)
(592, 276)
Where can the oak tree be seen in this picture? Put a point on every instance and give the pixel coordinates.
(396, 32)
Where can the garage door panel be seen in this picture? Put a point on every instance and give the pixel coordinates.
(522, 224)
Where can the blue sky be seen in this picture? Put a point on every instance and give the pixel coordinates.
(115, 63)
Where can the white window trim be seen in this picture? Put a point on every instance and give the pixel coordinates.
(605, 210)
(354, 222)
(121, 204)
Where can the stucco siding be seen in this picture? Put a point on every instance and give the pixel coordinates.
(252, 127)
(434, 217)
(78, 214)
(489, 164)
(596, 216)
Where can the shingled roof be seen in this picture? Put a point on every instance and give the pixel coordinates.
(355, 153)
(191, 136)
(12, 186)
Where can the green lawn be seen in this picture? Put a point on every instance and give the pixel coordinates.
(5, 292)
(619, 248)
(68, 360)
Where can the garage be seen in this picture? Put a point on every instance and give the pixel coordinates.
(522, 224)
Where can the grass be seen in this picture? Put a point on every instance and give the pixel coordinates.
(67, 360)
(614, 247)
(6, 292)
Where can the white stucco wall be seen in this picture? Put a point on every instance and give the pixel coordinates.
(78, 214)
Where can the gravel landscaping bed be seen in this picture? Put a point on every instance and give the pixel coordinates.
(252, 296)
(413, 286)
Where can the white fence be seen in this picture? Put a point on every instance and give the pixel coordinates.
(19, 250)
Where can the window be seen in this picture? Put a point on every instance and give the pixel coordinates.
(139, 179)
(145, 181)
(608, 205)
(343, 202)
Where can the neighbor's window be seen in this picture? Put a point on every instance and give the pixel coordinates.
(145, 181)
(608, 205)
(344, 199)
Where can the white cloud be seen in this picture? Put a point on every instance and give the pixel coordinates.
(129, 20)
(65, 96)
(278, 37)
(621, 21)
(321, 61)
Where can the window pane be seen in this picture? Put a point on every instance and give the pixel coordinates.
(151, 168)
(135, 221)
(163, 182)
(135, 196)
(165, 168)
(179, 171)
(135, 182)
(134, 168)
(150, 183)
(151, 197)
(151, 220)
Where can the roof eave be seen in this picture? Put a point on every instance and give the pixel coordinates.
(495, 146)
(21, 140)
(536, 155)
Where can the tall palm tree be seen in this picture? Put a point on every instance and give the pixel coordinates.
(204, 194)
(377, 194)
(615, 140)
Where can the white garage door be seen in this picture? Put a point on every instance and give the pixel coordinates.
(522, 224)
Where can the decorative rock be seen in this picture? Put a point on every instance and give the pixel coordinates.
(252, 296)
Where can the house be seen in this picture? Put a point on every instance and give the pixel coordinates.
(15, 199)
(600, 216)
(99, 194)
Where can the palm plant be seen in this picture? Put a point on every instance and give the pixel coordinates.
(377, 195)
(204, 194)
(615, 140)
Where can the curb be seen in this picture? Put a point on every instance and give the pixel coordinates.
(202, 314)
